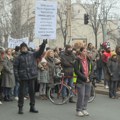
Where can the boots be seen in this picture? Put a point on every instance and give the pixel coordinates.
(71, 100)
(33, 110)
(20, 111)
(9, 98)
(6, 99)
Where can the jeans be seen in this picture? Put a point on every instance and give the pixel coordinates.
(84, 90)
(105, 71)
(112, 88)
(99, 74)
(7, 91)
(68, 81)
(16, 89)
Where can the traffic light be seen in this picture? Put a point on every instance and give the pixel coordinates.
(86, 19)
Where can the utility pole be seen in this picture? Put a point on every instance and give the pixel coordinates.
(69, 21)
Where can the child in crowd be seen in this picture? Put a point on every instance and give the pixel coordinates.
(43, 78)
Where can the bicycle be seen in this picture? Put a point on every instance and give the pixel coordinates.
(55, 91)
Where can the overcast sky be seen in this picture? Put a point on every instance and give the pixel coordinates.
(115, 10)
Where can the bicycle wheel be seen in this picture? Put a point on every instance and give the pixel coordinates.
(92, 94)
(55, 94)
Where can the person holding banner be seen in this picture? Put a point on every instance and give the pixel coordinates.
(25, 68)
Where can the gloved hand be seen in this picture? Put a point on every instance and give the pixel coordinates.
(45, 41)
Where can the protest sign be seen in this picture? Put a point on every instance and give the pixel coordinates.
(16, 42)
(45, 19)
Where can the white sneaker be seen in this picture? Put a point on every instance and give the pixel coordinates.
(16, 98)
(80, 114)
(85, 112)
(25, 98)
(0, 103)
(106, 87)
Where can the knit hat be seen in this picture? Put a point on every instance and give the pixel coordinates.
(17, 48)
(23, 45)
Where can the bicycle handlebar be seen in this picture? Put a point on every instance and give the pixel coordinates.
(59, 74)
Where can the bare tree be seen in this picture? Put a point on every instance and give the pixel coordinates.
(5, 20)
(92, 10)
(10, 20)
(16, 18)
(63, 21)
(105, 8)
(21, 10)
(98, 11)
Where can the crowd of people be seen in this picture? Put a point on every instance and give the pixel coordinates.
(24, 71)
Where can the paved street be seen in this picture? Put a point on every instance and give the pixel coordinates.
(102, 108)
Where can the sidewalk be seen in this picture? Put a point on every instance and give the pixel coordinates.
(101, 90)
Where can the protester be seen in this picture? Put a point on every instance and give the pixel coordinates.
(16, 54)
(92, 52)
(8, 80)
(82, 68)
(51, 65)
(105, 57)
(25, 68)
(114, 70)
(67, 63)
(117, 50)
(99, 65)
(2, 53)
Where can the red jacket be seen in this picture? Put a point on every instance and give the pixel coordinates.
(106, 56)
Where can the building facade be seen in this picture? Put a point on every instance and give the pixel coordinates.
(79, 31)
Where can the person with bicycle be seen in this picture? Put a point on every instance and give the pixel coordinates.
(82, 68)
(67, 63)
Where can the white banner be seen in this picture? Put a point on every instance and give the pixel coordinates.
(32, 45)
(45, 19)
(12, 43)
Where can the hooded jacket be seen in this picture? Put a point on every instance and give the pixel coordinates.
(67, 62)
(114, 69)
(25, 65)
(79, 70)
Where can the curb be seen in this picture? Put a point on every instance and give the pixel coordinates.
(101, 90)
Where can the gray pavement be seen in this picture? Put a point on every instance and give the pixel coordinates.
(102, 108)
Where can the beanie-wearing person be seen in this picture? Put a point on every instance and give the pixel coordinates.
(67, 63)
(26, 72)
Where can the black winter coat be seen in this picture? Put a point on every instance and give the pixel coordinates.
(67, 62)
(25, 65)
(114, 69)
(79, 71)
